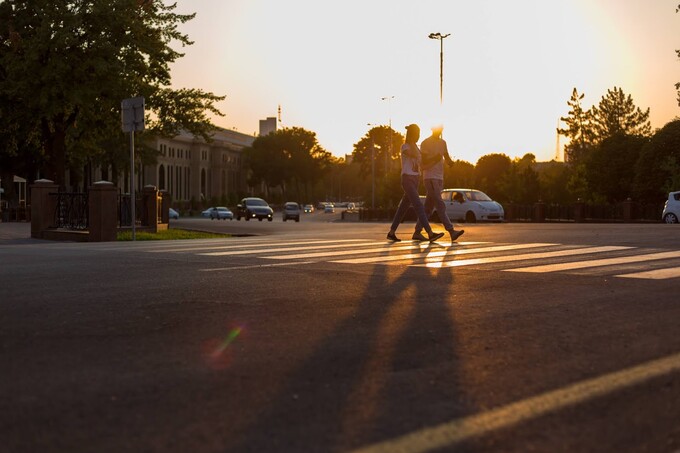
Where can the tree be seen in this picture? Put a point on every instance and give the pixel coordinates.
(658, 168)
(611, 166)
(382, 144)
(617, 114)
(287, 157)
(521, 183)
(489, 172)
(69, 64)
(459, 174)
(579, 129)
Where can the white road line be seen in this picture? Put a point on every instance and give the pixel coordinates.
(459, 430)
(240, 245)
(526, 256)
(285, 249)
(656, 274)
(255, 266)
(597, 263)
(448, 252)
(384, 248)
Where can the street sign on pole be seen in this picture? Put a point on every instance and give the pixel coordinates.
(132, 116)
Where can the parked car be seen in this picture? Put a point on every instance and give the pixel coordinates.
(291, 210)
(329, 208)
(471, 205)
(254, 208)
(172, 214)
(671, 210)
(309, 208)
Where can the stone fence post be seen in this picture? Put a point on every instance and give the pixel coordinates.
(43, 206)
(103, 218)
(579, 211)
(539, 212)
(628, 207)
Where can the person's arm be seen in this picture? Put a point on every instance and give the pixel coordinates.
(430, 160)
(447, 157)
(409, 151)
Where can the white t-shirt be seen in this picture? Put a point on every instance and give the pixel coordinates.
(431, 147)
(410, 165)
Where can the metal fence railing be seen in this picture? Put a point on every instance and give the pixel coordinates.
(71, 211)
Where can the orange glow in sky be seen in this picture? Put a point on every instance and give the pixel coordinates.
(509, 67)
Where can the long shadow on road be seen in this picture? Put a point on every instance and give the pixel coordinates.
(389, 369)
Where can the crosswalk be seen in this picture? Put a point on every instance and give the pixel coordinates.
(527, 258)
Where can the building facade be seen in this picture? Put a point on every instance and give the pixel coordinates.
(190, 169)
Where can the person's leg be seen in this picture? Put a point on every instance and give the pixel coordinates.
(429, 206)
(440, 206)
(411, 189)
(404, 204)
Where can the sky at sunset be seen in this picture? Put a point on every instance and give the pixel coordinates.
(509, 67)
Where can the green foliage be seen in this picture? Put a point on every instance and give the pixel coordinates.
(579, 129)
(657, 169)
(616, 114)
(489, 172)
(460, 174)
(382, 144)
(290, 160)
(167, 235)
(611, 166)
(70, 64)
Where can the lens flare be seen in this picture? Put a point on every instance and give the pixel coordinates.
(217, 352)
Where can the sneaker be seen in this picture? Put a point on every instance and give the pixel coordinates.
(393, 237)
(434, 236)
(456, 234)
(418, 237)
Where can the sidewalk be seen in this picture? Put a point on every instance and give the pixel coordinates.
(16, 233)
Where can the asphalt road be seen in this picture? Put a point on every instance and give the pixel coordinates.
(321, 336)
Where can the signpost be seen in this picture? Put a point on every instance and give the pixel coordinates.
(132, 115)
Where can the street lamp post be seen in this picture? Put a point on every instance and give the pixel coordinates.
(372, 169)
(440, 37)
(388, 156)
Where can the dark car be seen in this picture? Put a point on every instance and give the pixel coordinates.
(291, 210)
(254, 208)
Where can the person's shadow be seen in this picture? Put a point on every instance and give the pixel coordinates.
(393, 363)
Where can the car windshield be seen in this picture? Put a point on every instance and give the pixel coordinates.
(475, 195)
(222, 209)
(256, 202)
(291, 206)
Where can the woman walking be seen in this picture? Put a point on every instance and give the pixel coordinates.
(410, 178)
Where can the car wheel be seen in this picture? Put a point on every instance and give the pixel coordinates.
(284, 219)
(247, 218)
(271, 218)
(297, 219)
(470, 217)
(670, 218)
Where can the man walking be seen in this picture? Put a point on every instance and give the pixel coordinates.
(434, 151)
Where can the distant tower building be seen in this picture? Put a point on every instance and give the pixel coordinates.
(268, 126)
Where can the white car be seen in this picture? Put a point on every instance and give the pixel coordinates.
(219, 213)
(329, 208)
(172, 214)
(671, 210)
(471, 205)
